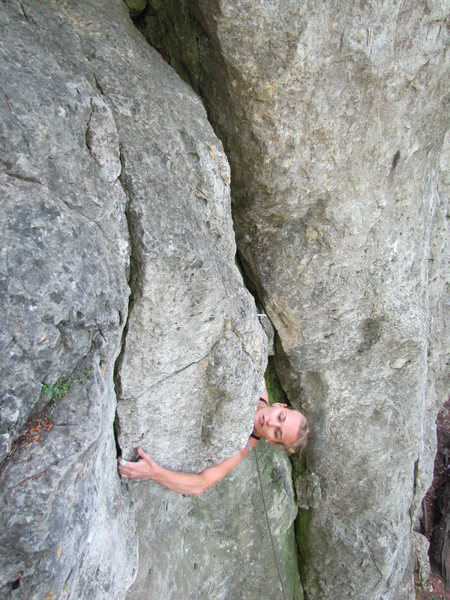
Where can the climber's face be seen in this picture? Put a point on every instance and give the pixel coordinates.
(278, 424)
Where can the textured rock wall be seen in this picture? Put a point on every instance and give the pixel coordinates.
(334, 120)
(217, 545)
(122, 303)
(64, 297)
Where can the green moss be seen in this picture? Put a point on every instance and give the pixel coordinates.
(58, 390)
(289, 561)
(303, 535)
(61, 388)
(276, 393)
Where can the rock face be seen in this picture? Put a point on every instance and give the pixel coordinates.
(122, 304)
(219, 542)
(126, 322)
(334, 119)
(64, 295)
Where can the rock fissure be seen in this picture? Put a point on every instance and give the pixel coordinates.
(87, 134)
(132, 277)
(98, 85)
(21, 177)
(24, 12)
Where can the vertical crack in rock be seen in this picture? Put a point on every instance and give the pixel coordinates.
(412, 508)
(134, 283)
(87, 135)
(434, 520)
(300, 559)
(103, 144)
(24, 12)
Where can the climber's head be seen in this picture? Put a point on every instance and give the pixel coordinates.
(282, 425)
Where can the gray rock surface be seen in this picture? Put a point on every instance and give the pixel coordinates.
(219, 542)
(334, 119)
(422, 563)
(193, 360)
(64, 298)
(122, 304)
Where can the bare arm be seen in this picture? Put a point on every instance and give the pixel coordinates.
(189, 484)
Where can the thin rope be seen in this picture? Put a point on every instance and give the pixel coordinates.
(268, 526)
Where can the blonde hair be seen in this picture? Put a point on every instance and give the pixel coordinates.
(302, 436)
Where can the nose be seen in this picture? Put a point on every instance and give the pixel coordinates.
(271, 422)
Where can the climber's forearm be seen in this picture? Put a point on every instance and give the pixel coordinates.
(194, 484)
(190, 484)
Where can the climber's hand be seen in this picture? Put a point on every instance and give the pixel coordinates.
(144, 468)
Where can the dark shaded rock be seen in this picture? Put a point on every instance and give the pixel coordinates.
(436, 503)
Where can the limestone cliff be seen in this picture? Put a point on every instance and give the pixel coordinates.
(334, 117)
(125, 323)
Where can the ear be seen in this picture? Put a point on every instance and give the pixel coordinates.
(271, 442)
(279, 404)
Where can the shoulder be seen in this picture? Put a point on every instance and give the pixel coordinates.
(262, 402)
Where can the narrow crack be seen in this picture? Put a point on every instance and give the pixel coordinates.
(300, 560)
(8, 100)
(415, 487)
(98, 85)
(28, 179)
(24, 12)
(134, 268)
(88, 132)
(134, 284)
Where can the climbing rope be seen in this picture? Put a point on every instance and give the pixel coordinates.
(268, 526)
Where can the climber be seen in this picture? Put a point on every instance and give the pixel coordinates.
(278, 424)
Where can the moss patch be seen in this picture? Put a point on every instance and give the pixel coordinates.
(276, 393)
